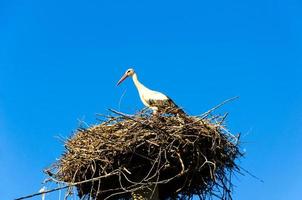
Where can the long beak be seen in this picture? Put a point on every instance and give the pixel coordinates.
(122, 79)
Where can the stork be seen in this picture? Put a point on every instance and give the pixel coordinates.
(156, 101)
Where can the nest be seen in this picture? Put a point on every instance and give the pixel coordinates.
(181, 156)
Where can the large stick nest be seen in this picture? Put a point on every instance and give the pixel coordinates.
(183, 156)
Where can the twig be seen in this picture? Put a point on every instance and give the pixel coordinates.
(122, 114)
(67, 186)
(218, 106)
(120, 101)
(44, 192)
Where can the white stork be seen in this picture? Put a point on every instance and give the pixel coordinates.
(157, 101)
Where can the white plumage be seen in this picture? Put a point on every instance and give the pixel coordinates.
(156, 101)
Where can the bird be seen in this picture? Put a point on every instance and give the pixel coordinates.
(156, 101)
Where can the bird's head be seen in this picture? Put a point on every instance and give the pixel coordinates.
(130, 72)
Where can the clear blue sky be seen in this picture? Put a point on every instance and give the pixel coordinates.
(60, 61)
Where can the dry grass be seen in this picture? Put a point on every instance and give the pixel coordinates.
(183, 156)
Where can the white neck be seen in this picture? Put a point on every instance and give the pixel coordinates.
(138, 84)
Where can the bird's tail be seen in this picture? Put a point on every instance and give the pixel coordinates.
(181, 112)
(176, 109)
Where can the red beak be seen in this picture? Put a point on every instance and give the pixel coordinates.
(122, 79)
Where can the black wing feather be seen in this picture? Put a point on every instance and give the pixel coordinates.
(166, 106)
